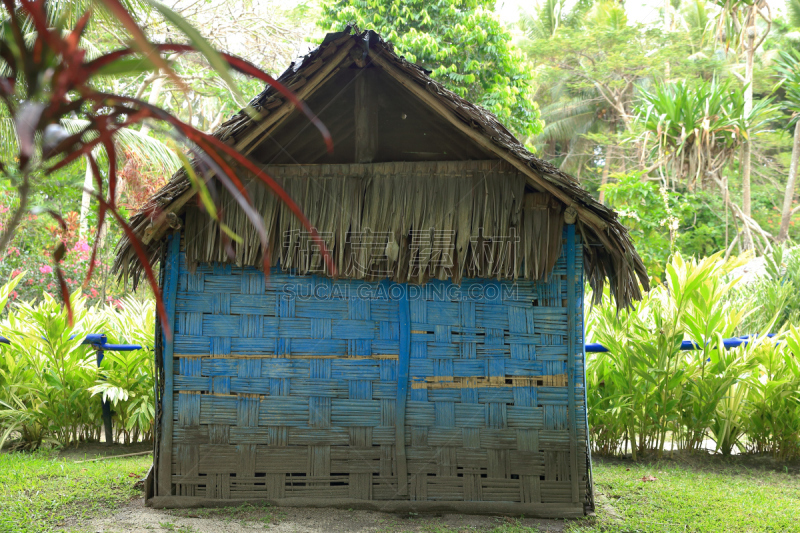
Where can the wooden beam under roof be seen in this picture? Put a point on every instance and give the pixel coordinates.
(366, 116)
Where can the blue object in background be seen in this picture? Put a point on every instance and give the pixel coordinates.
(733, 342)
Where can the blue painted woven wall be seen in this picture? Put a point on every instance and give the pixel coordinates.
(289, 387)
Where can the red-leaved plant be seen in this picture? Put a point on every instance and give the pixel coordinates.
(49, 78)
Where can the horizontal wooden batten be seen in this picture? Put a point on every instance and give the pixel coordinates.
(289, 356)
(450, 382)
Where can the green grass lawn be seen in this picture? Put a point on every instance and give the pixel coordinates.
(705, 494)
(43, 492)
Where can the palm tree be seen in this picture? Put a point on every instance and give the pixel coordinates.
(698, 22)
(567, 122)
(544, 21)
(787, 66)
(575, 113)
(736, 25)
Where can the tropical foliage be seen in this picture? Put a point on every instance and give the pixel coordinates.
(647, 396)
(683, 97)
(51, 384)
(685, 123)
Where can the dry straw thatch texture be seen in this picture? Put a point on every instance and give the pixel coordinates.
(402, 221)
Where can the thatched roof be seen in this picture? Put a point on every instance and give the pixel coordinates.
(608, 251)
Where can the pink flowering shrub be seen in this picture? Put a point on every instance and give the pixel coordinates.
(31, 252)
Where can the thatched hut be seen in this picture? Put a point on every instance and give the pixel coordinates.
(440, 367)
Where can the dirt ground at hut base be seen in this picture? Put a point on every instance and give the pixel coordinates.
(136, 518)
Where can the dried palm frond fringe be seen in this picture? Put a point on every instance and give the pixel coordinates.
(401, 221)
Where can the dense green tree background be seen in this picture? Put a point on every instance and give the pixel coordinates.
(461, 42)
(654, 117)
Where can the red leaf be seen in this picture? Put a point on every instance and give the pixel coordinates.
(16, 27)
(101, 219)
(237, 63)
(38, 15)
(64, 294)
(278, 190)
(144, 45)
(210, 145)
(143, 259)
(250, 69)
(72, 156)
(58, 218)
(74, 37)
(111, 152)
(59, 252)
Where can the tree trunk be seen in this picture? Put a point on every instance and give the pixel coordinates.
(606, 170)
(86, 200)
(748, 108)
(667, 30)
(746, 208)
(152, 99)
(788, 195)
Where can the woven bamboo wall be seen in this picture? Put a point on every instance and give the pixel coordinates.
(289, 388)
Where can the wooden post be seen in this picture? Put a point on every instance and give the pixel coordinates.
(571, 352)
(366, 117)
(403, 362)
(169, 294)
(585, 399)
(106, 406)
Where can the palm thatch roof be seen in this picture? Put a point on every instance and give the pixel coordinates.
(609, 253)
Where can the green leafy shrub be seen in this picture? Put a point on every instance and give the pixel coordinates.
(663, 221)
(49, 396)
(775, 293)
(127, 378)
(773, 423)
(50, 384)
(645, 391)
